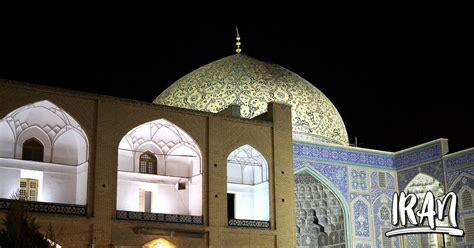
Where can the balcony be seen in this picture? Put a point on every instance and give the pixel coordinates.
(157, 217)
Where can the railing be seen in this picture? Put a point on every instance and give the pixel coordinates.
(250, 223)
(169, 218)
(47, 207)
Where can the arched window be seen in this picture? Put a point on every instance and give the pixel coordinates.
(148, 163)
(466, 198)
(33, 150)
(384, 213)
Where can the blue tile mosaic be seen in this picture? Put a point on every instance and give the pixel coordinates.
(376, 191)
(353, 157)
(420, 155)
(465, 181)
(334, 173)
(382, 218)
(359, 179)
(361, 218)
(366, 158)
(451, 176)
(460, 160)
(434, 169)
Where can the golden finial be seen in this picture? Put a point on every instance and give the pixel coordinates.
(238, 50)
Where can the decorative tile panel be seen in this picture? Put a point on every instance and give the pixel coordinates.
(434, 169)
(467, 158)
(375, 190)
(465, 181)
(361, 218)
(417, 156)
(375, 160)
(342, 155)
(358, 180)
(451, 176)
(381, 215)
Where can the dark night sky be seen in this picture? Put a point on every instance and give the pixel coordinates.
(395, 85)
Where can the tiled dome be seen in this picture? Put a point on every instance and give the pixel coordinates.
(242, 80)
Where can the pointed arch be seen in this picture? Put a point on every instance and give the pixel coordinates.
(147, 146)
(457, 183)
(247, 185)
(148, 163)
(168, 142)
(382, 201)
(47, 122)
(33, 150)
(362, 225)
(420, 184)
(339, 197)
(466, 197)
(37, 133)
(173, 185)
(45, 126)
(246, 165)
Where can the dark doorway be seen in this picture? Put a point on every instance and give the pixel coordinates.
(33, 150)
(230, 206)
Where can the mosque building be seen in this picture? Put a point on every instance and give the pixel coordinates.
(237, 153)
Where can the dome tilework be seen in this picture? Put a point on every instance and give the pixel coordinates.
(242, 80)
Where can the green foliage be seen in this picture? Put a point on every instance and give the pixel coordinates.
(19, 230)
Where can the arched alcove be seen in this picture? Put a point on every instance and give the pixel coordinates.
(248, 193)
(34, 132)
(321, 215)
(420, 185)
(56, 156)
(466, 199)
(175, 186)
(33, 150)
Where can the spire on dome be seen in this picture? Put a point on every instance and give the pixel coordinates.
(238, 50)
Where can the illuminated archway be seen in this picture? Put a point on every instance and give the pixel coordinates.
(159, 170)
(56, 148)
(248, 192)
(420, 185)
